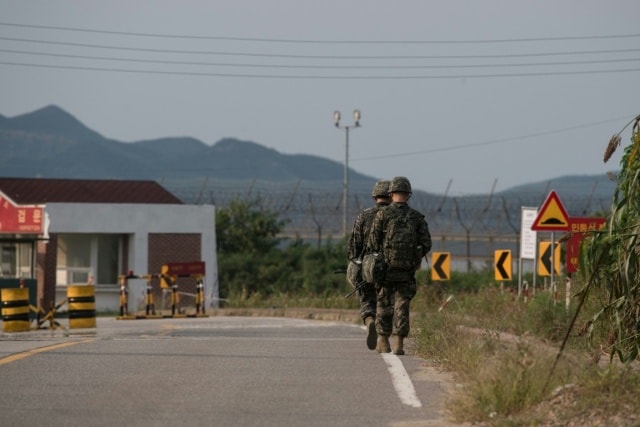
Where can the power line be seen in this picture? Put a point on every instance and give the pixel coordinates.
(332, 77)
(306, 56)
(494, 141)
(382, 67)
(274, 40)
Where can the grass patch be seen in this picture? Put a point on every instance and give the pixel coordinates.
(502, 352)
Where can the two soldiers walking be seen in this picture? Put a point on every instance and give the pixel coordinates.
(401, 234)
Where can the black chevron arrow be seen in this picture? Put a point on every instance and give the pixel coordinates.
(546, 260)
(500, 267)
(437, 266)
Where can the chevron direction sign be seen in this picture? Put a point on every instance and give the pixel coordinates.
(441, 262)
(502, 259)
(545, 263)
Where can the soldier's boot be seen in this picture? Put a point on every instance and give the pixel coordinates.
(383, 345)
(398, 347)
(372, 336)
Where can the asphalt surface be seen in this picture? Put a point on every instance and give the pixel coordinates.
(213, 371)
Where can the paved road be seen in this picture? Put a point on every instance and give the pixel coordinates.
(217, 371)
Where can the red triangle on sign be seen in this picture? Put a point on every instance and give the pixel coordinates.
(552, 216)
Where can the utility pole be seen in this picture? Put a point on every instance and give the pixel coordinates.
(345, 186)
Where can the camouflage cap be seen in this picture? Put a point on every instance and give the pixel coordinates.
(380, 189)
(400, 184)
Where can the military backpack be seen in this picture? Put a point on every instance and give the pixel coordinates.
(400, 244)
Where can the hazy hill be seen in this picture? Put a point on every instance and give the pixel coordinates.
(572, 184)
(52, 143)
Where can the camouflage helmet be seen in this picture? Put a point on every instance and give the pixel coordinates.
(380, 189)
(400, 184)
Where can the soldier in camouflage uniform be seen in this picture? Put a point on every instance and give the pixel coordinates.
(402, 235)
(357, 241)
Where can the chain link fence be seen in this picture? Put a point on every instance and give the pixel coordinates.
(470, 228)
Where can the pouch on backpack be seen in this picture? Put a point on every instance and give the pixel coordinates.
(374, 268)
(354, 272)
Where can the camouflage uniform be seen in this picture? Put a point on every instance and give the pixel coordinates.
(399, 287)
(357, 242)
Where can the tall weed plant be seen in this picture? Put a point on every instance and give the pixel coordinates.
(610, 258)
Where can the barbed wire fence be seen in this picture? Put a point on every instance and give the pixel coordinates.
(470, 228)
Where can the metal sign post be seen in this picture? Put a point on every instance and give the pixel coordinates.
(552, 217)
(528, 242)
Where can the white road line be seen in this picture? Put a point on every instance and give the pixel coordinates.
(401, 381)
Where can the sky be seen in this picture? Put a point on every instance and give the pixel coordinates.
(463, 97)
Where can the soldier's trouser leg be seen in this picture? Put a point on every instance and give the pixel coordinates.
(385, 308)
(404, 294)
(368, 300)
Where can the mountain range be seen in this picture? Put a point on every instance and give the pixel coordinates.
(52, 143)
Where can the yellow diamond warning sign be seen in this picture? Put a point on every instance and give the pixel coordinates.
(552, 216)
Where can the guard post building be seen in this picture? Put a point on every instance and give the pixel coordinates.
(60, 232)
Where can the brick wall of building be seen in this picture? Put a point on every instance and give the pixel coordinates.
(165, 248)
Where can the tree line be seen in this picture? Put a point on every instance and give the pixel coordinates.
(253, 259)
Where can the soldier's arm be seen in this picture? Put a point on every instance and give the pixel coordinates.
(374, 240)
(356, 243)
(424, 237)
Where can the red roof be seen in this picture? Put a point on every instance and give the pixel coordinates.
(37, 191)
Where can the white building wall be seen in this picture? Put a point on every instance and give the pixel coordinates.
(138, 220)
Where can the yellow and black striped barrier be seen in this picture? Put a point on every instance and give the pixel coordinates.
(168, 283)
(199, 297)
(15, 310)
(81, 303)
(124, 297)
(150, 306)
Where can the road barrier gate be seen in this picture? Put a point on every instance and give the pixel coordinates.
(167, 280)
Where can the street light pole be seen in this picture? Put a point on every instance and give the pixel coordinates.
(345, 186)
